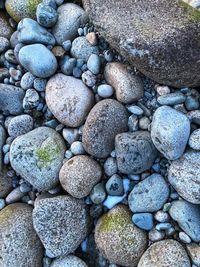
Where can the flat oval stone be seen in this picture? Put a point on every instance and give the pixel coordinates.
(171, 99)
(149, 195)
(187, 215)
(184, 176)
(106, 119)
(38, 60)
(37, 156)
(165, 253)
(68, 99)
(19, 244)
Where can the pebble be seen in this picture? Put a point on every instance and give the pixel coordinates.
(14, 196)
(191, 103)
(161, 216)
(70, 135)
(5, 182)
(5, 29)
(30, 32)
(42, 65)
(31, 99)
(88, 78)
(19, 242)
(77, 73)
(77, 148)
(184, 176)
(128, 87)
(194, 116)
(46, 15)
(163, 90)
(155, 235)
(39, 84)
(70, 103)
(149, 195)
(143, 221)
(114, 186)
(135, 152)
(2, 203)
(4, 74)
(106, 119)
(68, 261)
(51, 3)
(92, 38)
(171, 99)
(70, 16)
(82, 49)
(135, 110)
(67, 65)
(169, 139)
(112, 232)
(193, 250)
(144, 123)
(184, 238)
(4, 44)
(105, 90)
(98, 194)
(187, 216)
(194, 140)
(79, 175)
(25, 188)
(110, 166)
(94, 64)
(163, 253)
(42, 148)
(133, 123)
(20, 125)
(67, 45)
(65, 213)
(27, 81)
(163, 226)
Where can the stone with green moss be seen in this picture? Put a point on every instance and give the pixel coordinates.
(37, 156)
(118, 239)
(19, 9)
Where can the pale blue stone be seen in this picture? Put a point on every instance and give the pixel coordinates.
(143, 220)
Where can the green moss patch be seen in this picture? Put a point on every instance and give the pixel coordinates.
(192, 12)
(32, 5)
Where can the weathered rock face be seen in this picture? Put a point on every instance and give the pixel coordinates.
(153, 35)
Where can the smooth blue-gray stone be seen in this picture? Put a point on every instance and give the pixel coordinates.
(188, 217)
(149, 195)
(94, 64)
(46, 15)
(30, 32)
(114, 186)
(171, 99)
(38, 60)
(67, 65)
(191, 103)
(143, 220)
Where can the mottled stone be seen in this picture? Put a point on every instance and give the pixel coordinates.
(68, 261)
(194, 140)
(5, 183)
(20, 125)
(194, 253)
(68, 99)
(5, 28)
(19, 243)
(104, 122)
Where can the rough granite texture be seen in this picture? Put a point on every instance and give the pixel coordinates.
(5, 28)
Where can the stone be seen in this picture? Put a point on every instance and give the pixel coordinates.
(65, 214)
(194, 140)
(171, 99)
(155, 235)
(169, 139)
(184, 238)
(94, 64)
(114, 186)
(14, 196)
(27, 81)
(143, 220)
(20, 125)
(4, 44)
(2, 143)
(165, 253)
(89, 78)
(5, 183)
(105, 90)
(11, 98)
(164, 28)
(43, 64)
(31, 99)
(77, 148)
(149, 195)
(92, 38)
(70, 135)
(20, 9)
(98, 194)
(70, 17)
(82, 49)
(30, 32)
(4, 73)
(106, 119)
(79, 175)
(46, 15)
(135, 152)
(194, 253)
(118, 239)
(110, 166)
(5, 28)
(37, 157)
(184, 176)
(67, 65)
(128, 87)
(68, 261)
(187, 216)
(19, 243)
(68, 99)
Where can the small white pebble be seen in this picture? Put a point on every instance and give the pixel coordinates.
(163, 90)
(105, 90)
(77, 148)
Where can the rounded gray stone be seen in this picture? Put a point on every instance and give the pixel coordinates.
(170, 130)
(46, 15)
(70, 16)
(62, 223)
(79, 175)
(184, 176)
(187, 215)
(194, 140)
(149, 195)
(165, 253)
(37, 59)
(68, 99)
(106, 119)
(19, 243)
(20, 125)
(135, 152)
(128, 87)
(68, 261)
(37, 156)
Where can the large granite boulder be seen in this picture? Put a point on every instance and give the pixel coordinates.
(160, 38)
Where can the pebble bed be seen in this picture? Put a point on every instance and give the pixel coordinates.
(99, 165)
